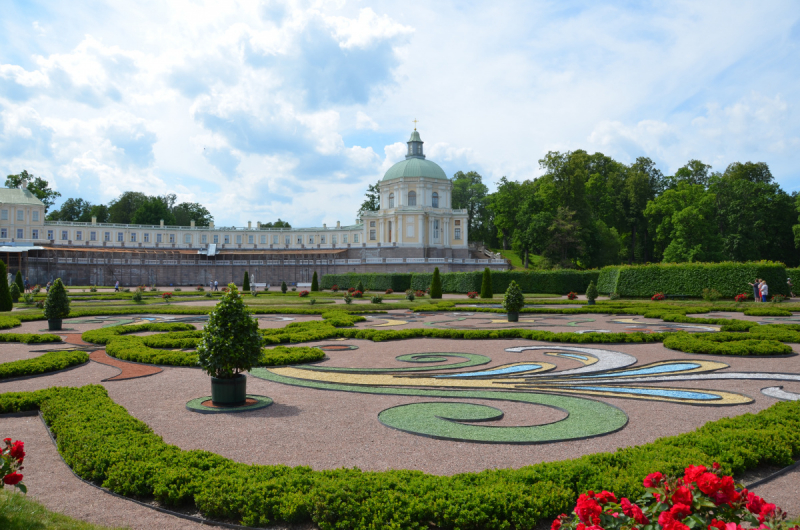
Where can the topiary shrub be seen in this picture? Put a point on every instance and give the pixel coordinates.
(19, 282)
(513, 300)
(57, 304)
(376, 299)
(410, 295)
(591, 292)
(314, 283)
(283, 287)
(246, 282)
(486, 284)
(231, 343)
(14, 290)
(436, 284)
(5, 295)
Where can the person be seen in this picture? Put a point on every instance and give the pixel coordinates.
(216, 285)
(756, 285)
(47, 288)
(116, 287)
(27, 284)
(791, 287)
(764, 291)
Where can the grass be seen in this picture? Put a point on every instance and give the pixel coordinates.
(516, 259)
(19, 512)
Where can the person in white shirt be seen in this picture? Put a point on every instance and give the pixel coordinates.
(764, 291)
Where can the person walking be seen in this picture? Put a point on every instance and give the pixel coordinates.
(764, 291)
(116, 287)
(791, 287)
(216, 285)
(756, 285)
(27, 285)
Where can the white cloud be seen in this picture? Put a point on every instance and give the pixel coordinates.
(368, 28)
(363, 121)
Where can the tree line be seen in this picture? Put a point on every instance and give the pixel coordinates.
(588, 210)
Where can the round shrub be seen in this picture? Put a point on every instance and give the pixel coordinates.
(513, 300)
(14, 290)
(591, 291)
(410, 295)
(376, 299)
(57, 304)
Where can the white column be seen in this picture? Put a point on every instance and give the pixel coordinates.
(421, 230)
(400, 229)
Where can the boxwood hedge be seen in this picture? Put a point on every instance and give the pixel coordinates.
(49, 362)
(104, 444)
(729, 278)
(376, 281)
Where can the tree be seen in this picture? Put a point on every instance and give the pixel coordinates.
(56, 306)
(283, 287)
(360, 286)
(15, 292)
(513, 300)
(505, 204)
(151, 212)
(486, 284)
(186, 212)
(276, 224)
(372, 203)
(591, 291)
(643, 183)
(565, 243)
(470, 192)
(314, 283)
(246, 282)
(72, 210)
(5, 294)
(19, 282)
(100, 211)
(121, 209)
(694, 172)
(36, 185)
(436, 284)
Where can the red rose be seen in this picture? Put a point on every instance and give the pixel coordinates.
(727, 493)
(665, 518)
(682, 495)
(708, 483)
(605, 497)
(716, 525)
(692, 473)
(556, 524)
(18, 450)
(633, 511)
(766, 510)
(679, 511)
(676, 525)
(653, 480)
(715, 465)
(754, 503)
(12, 479)
(586, 508)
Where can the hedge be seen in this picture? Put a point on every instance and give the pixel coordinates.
(376, 281)
(9, 322)
(29, 338)
(104, 444)
(49, 362)
(555, 282)
(729, 278)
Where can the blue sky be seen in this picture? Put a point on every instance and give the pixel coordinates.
(261, 110)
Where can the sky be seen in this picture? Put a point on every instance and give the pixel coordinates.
(267, 110)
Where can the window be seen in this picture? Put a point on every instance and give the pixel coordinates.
(172, 238)
(458, 222)
(372, 224)
(435, 200)
(64, 235)
(227, 239)
(322, 240)
(435, 229)
(372, 234)
(355, 238)
(36, 215)
(78, 236)
(20, 215)
(412, 198)
(204, 238)
(333, 240)
(287, 240)
(391, 200)
(35, 234)
(4, 233)
(20, 233)
(239, 239)
(4, 215)
(159, 237)
(146, 238)
(106, 236)
(120, 237)
(187, 238)
(299, 240)
(133, 237)
(216, 240)
(344, 239)
(251, 239)
(92, 236)
(310, 240)
(458, 234)
(263, 240)
(275, 240)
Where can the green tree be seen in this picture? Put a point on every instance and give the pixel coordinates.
(276, 224)
(152, 211)
(643, 183)
(186, 212)
(360, 286)
(283, 287)
(436, 284)
(513, 299)
(15, 292)
(36, 185)
(5, 294)
(246, 282)
(19, 282)
(100, 211)
(231, 342)
(372, 202)
(591, 291)
(121, 209)
(693, 173)
(486, 284)
(314, 283)
(470, 192)
(72, 210)
(56, 306)
(505, 204)
(565, 244)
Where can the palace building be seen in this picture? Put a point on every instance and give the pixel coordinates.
(415, 229)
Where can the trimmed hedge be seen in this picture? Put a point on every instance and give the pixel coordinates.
(739, 345)
(49, 362)
(555, 282)
(103, 443)
(376, 281)
(729, 278)
(9, 322)
(29, 338)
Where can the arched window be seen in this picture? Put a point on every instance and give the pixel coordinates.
(435, 200)
(391, 200)
(412, 198)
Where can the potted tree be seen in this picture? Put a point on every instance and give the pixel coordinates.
(14, 290)
(591, 292)
(513, 301)
(230, 345)
(56, 307)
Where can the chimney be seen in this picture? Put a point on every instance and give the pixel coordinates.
(23, 184)
(211, 224)
(191, 223)
(94, 219)
(338, 224)
(162, 223)
(258, 224)
(249, 224)
(324, 226)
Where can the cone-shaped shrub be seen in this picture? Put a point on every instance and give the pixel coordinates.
(231, 342)
(14, 290)
(314, 282)
(513, 300)
(5, 295)
(486, 284)
(283, 287)
(19, 282)
(436, 284)
(57, 304)
(246, 282)
(591, 291)
(360, 286)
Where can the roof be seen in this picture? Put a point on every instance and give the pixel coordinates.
(18, 196)
(415, 167)
(415, 137)
(185, 251)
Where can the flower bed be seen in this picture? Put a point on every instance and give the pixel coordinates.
(302, 294)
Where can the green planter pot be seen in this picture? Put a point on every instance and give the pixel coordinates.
(229, 392)
(513, 316)
(54, 324)
(590, 302)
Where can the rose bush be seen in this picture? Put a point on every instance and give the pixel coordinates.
(658, 297)
(572, 296)
(358, 294)
(11, 459)
(302, 293)
(472, 294)
(741, 297)
(702, 499)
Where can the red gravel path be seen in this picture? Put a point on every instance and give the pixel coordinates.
(127, 370)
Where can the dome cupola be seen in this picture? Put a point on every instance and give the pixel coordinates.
(415, 146)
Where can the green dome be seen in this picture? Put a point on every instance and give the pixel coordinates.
(415, 167)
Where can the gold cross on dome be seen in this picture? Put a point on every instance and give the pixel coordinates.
(415, 124)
